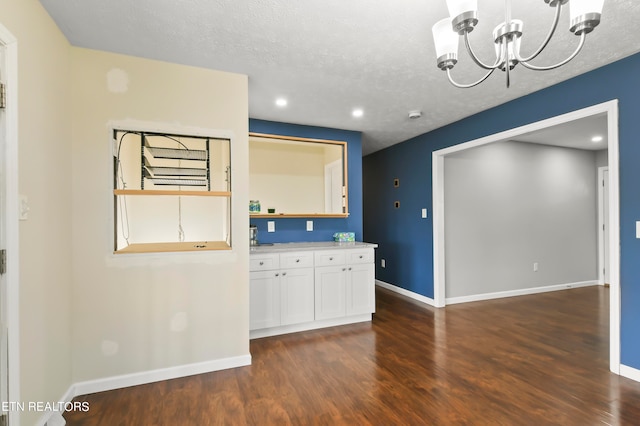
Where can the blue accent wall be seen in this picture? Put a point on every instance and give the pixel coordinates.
(294, 230)
(406, 241)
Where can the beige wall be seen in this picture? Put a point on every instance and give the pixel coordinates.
(144, 312)
(159, 311)
(45, 177)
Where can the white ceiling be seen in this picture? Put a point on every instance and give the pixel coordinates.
(575, 134)
(328, 57)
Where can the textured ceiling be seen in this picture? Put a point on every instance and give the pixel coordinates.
(328, 57)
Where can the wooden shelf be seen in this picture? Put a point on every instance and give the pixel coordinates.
(171, 192)
(297, 215)
(174, 247)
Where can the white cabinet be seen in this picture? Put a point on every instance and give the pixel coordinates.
(264, 300)
(330, 292)
(307, 289)
(281, 289)
(296, 296)
(361, 297)
(346, 286)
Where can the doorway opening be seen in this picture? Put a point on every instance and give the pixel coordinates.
(610, 110)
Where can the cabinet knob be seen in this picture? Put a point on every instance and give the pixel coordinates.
(344, 269)
(261, 263)
(297, 260)
(349, 268)
(277, 275)
(360, 256)
(284, 273)
(331, 258)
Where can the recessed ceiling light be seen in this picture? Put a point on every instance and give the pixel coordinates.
(281, 102)
(596, 139)
(357, 112)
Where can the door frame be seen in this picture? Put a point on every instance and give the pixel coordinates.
(11, 216)
(609, 108)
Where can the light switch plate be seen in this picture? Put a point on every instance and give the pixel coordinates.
(271, 226)
(637, 229)
(309, 225)
(424, 213)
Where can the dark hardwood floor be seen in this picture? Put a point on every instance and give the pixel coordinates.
(529, 360)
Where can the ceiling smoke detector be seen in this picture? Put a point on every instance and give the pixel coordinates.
(415, 114)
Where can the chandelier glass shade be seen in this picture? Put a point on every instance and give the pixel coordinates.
(584, 16)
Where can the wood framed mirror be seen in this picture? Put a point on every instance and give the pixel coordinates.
(297, 177)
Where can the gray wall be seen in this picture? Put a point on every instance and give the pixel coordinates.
(510, 204)
(602, 158)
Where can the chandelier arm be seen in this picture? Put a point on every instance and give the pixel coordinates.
(475, 58)
(546, 41)
(466, 86)
(550, 67)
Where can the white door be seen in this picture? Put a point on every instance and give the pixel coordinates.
(603, 226)
(4, 335)
(605, 216)
(333, 183)
(9, 342)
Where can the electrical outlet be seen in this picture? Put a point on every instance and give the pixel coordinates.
(271, 226)
(535, 266)
(383, 263)
(638, 229)
(424, 213)
(309, 225)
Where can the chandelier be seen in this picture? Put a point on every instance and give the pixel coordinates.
(584, 17)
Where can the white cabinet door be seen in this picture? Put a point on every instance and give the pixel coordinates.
(330, 292)
(296, 296)
(361, 298)
(264, 299)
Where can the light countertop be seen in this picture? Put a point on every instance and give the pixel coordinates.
(322, 245)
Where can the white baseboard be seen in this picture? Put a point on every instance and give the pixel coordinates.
(404, 292)
(630, 373)
(522, 292)
(485, 296)
(54, 418)
(314, 325)
(144, 377)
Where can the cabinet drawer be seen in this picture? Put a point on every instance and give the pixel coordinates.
(329, 257)
(264, 262)
(303, 259)
(360, 256)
